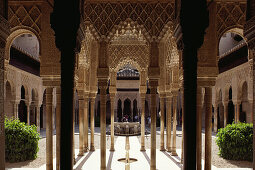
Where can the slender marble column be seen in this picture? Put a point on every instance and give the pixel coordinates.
(208, 128)
(85, 123)
(169, 123)
(16, 109)
(112, 121)
(49, 141)
(215, 121)
(92, 123)
(174, 126)
(38, 118)
(58, 126)
(199, 127)
(142, 122)
(102, 83)
(153, 86)
(182, 94)
(237, 111)
(81, 126)
(225, 113)
(28, 113)
(162, 122)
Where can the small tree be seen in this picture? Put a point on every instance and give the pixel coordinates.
(21, 141)
(235, 141)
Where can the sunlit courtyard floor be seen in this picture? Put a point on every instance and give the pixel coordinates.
(91, 160)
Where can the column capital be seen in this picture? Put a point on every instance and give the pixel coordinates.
(237, 102)
(162, 95)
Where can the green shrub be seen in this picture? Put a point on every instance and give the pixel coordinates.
(21, 141)
(235, 141)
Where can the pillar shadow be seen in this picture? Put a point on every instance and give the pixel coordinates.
(109, 164)
(146, 157)
(83, 161)
(172, 159)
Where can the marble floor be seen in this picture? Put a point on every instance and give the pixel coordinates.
(91, 160)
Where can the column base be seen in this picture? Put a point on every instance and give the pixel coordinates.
(174, 153)
(80, 153)
(74, 161)
(142, 149)
(86, 149)
(112, 149)
(162, 149)
(153, 168)
(169, 149)
(103, 168)
(92, 148)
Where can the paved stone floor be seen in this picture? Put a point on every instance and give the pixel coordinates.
(91, 160)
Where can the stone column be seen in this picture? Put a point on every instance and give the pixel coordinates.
(38, 117)
(92, 123)
(162, 121)
(49, 140)
(208, 128)
(174, 126)
(142, 95)
(132, 107)
(153, 89)
(4, 27)
(28, 113)
(225, 104)
(16, 109)
(215, 122)
(81, 125)
(237, 111)
(58, 126)
(169, 123)
(199, 127)
(182, 125)
(85, 124)
(102, 83)
(122, 107)
(112, 95)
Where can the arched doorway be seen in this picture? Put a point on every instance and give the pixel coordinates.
(119, 111)
(127, 110)
(43, 111)
(22, 106)
(220, 111)
(135, 111)
(231, 111)
(244, 104)
(8, 108)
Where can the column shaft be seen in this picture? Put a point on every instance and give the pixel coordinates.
(169, 124)
(199, 127)
(103, 85)
(174, 126)
(215, 119)
(225, 114)
(58, 126)
(92, 124)
(28, 113)
(49, 141)
(237, 112)
(153, 86)
(162, 123)
(81, 126)
(85, 123)
(208, 128)
(38, 118)
(143, 123)
(112, 122)
(182, 126)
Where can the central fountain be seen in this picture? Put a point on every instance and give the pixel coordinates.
(127, 128)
